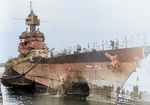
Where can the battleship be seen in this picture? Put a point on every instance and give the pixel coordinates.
(96, 75)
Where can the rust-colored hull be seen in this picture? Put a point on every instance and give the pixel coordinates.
(93, 68)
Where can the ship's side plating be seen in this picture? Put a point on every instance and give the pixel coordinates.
(83, 74)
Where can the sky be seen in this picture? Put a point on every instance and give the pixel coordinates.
(72, 22)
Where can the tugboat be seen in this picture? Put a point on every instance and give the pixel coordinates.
(93, 75)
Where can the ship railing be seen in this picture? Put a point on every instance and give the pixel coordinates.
(99, 47)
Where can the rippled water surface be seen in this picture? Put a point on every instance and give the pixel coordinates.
(13, 96)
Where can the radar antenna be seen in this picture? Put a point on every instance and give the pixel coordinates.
(31, 5)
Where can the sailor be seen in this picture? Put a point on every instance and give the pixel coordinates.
(25, 32)
(52, 54)
(117, 44)
(125, 42)
(70, 50)
(102, 45)
(88, 46)
(65, 51)
(84, 50)
(106, 45)
(112, 44)
(88, 49)
(97, 47)
(37, 30)
(93, 48)
(75, 50)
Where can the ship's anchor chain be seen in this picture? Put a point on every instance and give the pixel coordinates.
(23, 74)
(114, 64)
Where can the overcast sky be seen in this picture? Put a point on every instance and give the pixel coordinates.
(72, 22)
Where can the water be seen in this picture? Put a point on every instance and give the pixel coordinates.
(13, 96)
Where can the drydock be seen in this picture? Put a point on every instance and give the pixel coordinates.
(94, 75)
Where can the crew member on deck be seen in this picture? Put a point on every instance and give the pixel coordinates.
(106, 45)
(125, 42)
(117, 44)
(112, 44)
(102, 45)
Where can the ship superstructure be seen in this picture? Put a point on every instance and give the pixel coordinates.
(33, 40)
(94, 75)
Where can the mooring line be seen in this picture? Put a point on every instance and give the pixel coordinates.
(23, 73)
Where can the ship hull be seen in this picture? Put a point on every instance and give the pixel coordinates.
(88, 75)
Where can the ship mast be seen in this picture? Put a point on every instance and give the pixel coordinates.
(30, 5)
(32, 20)
(33, 40)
